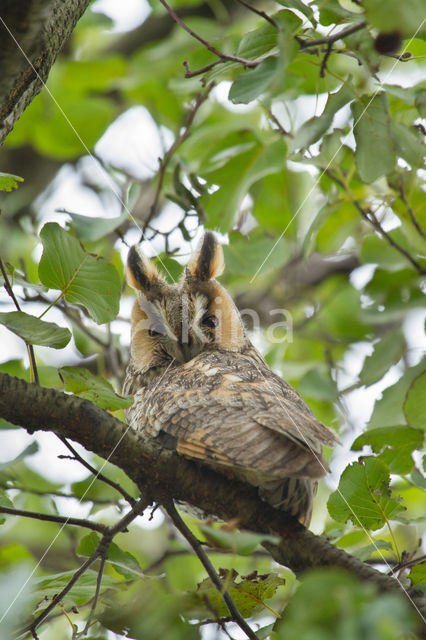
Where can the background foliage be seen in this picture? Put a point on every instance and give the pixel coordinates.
(306, 151)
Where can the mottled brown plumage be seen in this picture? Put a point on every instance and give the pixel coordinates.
(202, 388)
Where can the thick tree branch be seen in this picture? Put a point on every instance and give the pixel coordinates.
(166, 475)
(32, 34)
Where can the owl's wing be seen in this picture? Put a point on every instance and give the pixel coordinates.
(226, 410)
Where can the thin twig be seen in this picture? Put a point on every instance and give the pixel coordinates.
(55, 494)
(223, 56)
(406, 565)
(275, 120)
(98, 475)
(199, 72)
(98, 589)
(199, 100)
(211, 571)
(410, 211)
(172, 553)
(46, 517)
(325, 59)
(307, 44)
(369, 216)
(30, 348)
(262, 14)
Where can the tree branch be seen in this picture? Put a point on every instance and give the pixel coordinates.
(46, 517)
(98, 475)
(166, 475)
(32, 34)
(223, 56)
(328, 40)
(262, 14)
(180, 139)
(369, 216)
(211, 571)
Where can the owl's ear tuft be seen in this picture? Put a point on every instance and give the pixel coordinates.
(142, 274)
(207, 262)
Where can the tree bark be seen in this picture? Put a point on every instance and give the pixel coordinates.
(164, 475)
(32, 32)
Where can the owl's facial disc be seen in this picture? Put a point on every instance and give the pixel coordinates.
(172, 324)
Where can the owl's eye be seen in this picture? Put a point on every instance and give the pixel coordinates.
(210, 321)
(155, 330)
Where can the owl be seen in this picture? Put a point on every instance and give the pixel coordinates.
(203, 389)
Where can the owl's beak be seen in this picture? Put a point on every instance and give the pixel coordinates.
(189, 350)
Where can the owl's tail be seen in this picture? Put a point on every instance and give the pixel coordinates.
(293, 495)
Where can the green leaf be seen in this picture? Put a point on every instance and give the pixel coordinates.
(4, 502)
(417, 574)
(241, 542)
(237, 176)
(386, 353)
(123, 561)
(301, 6)
(64, 132)
(388, 410)
(250, 85)
(406, 18)
(331, 603)
(395, 444)
(341, 316)
(15, 587)
(408, 144)
(247, 256)
(248, 593)
(81, 592)
(377, 250)
(374, 154)
(418, 480)
(98, 390)
(8, 181)
(415, 402)
(420, 102)
(84, 279)
(30, 450)
(92, 75)
(170, 268)
(332, 12)
(317, 385)
(313, 129)
(35, 331)
(369, 550)
(258, 42)
(364, 496)
(89, 229)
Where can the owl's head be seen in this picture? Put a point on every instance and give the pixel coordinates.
(172, 323)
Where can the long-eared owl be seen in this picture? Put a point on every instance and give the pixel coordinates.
(200, 383)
